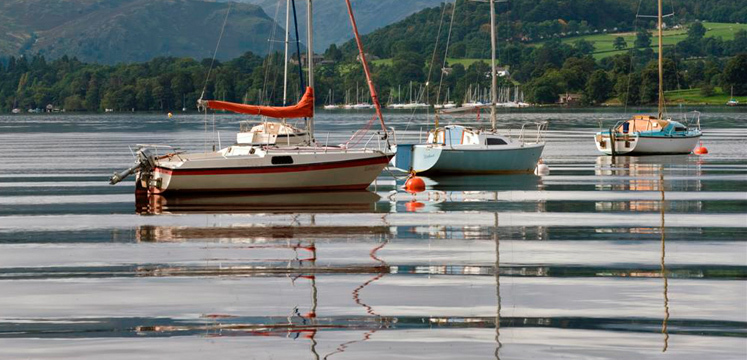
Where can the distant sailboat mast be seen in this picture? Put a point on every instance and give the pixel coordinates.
(310, 59)
(494, 84)
(661, 63)
(287, 40)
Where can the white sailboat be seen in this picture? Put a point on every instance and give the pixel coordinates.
(732, 101)
(447, 104)
(360, 105)
(458, 149)
(253, 167)
(331, 101)
(648, 135)
(398, 104)
(416, 103)
(470, 99)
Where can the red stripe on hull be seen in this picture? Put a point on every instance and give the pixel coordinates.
(276, 169)
(154, 190)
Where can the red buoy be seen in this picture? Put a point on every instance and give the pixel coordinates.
(414, 184)
(414, 206)
(701, 150)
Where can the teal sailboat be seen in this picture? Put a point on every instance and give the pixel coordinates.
(459, 149)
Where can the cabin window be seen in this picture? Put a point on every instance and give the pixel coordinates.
(680, 128)
(282, 160)
(494, 141)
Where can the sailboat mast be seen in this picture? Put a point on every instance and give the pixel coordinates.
(287, 39)
(494, 84)
(661, 63)
(298, 48)
(310, 58)
(362, 53)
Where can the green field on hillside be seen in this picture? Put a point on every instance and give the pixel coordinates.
(693, 96)
(452, 61)
(603, 42)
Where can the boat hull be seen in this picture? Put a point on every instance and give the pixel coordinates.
(429, 159)
(314, 174)
(647, 145)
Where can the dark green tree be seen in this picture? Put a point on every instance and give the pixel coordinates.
(598, 88)
(696, 31)
(620, 43)
(642, 38)
(735, 75)
(333, 53)
(584, 47)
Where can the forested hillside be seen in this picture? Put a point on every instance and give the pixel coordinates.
(531, 21)
(544, 69)
(113, 31)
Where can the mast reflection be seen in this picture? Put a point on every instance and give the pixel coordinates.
(497, 292)
(369, 309)
(663, 267)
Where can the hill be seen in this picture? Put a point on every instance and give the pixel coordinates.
(112, 31)
(331, 24)
(531, 21)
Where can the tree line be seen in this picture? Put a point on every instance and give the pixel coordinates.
(544, 72)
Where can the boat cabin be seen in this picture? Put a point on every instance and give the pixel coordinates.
(270, 133)
(453, 135)
(643, 123)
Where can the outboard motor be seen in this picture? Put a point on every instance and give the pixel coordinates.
(144, 163)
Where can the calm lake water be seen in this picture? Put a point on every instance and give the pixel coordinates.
(640, 258)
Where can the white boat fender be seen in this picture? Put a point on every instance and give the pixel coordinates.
(542, 169)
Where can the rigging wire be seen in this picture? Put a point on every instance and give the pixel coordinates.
(446, 52)
(215, 53)
(422, 95)
(676, 62)
(268, 90)
(435, 47)
(630, 66)
(210, 70)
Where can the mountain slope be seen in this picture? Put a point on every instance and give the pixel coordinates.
(331, 23)
(111, 31)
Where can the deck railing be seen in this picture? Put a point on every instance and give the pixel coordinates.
(541, 129)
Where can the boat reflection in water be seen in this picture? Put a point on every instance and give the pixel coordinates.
(289, 202)
(513, 182)
(303, 323)
(642, 174)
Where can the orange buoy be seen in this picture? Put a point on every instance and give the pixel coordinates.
(414, 206)
(414, 184)
(701, 150)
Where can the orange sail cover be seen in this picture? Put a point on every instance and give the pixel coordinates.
(304, 108)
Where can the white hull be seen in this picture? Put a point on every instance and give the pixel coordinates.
(646, 145)
(274, 170)
(416, 106)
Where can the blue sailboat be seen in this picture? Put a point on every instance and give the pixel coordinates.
(458, 149)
